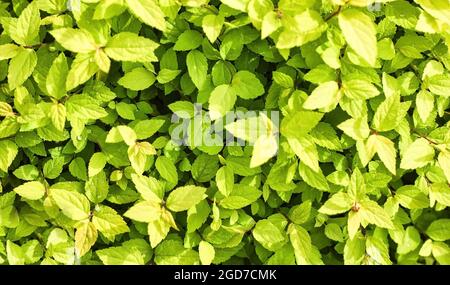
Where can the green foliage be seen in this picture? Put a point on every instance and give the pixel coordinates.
(354, 169)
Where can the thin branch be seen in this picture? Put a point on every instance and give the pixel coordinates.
(36, 46)
(329, 17)
(425, 137)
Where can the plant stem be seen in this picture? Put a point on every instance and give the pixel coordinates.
(336, 12)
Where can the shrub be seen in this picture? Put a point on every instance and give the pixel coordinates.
(224, 132)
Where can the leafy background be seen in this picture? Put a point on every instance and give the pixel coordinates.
(360, 173)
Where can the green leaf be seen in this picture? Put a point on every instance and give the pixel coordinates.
(97, 187)
(121, 133)
(411, 197)
(305, 252)
(128, 46)
(249, 129)
(102, 60)
(206, 252)
(204, 168)
(360, 33)
(145, 212)
(386, 49)
(325, 95)
(109, 9)
(119, 256)
(222, 100)
(389, 114)
(172, 252)
(225, 180)
(167, 75)
(85, 237)
(157, 230)
(183, 109)
(27, 172)
(82, 69)
(410, 242)
(185, 197)
(424, 104)
(265, 148)
(126, 111)
(247, 85)
(296, 33)
(31, 190)
(84, 107)
(269, 235)
(385, 149)
(56, 78)
(305, 148)
(20, 67)
(197, 216)
(354, 250)
(357, 187)
(33, 251)
(212, 26)
(325, 136)
(337, 204)
(372, 213)
(8, 51)
(300, 123)
(257, 9)
(96, 163)
(378, 250)
(197, 66)
(240, 197)
(149, 188)
(426, 248)
(444, 163)
(300, 214)
(439, 192)
(73, 204)
(359, 89)
(137, 79)
(188, 40)
(418, 154)
(439, 84)
(75, 40)
(8, 151)
(28, 24)
(14, 254)
(9, 126)
(138, 155)
(358, 129)
(167, 169)
(334, 232)
(271, 22)
(148, 12)
(409, 12)
(439, 230)
(78, 168)
(222, 73)
(313, 178)
(439, 9)
(441, 252)
(107, 221)
(283, 79)
(239, 5)
(147, 128)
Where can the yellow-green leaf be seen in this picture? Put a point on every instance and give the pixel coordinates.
(360, 33)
